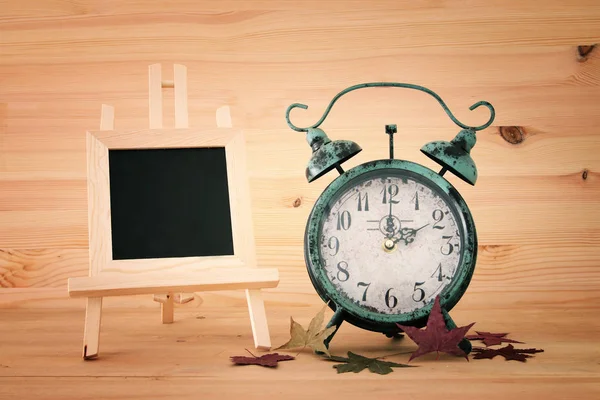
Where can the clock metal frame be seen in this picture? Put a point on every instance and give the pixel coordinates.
(347, 309)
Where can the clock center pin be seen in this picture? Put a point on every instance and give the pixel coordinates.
(389, 245)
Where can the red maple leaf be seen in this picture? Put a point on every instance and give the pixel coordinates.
(508, 352)
(266, 360)
(436, 336)
(491, 339)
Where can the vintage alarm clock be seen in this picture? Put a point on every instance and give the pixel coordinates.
(388, 236)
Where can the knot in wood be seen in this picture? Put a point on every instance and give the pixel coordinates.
(512, 134)
(583, 52)
(297, 202)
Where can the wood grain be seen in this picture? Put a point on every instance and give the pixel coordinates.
(194, 356)
(538, 218)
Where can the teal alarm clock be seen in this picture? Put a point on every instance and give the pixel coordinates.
(386, 237)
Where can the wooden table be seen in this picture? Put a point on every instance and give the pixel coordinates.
(40, 355)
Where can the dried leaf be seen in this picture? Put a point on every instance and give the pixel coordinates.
(266, 360)
(491, 339)
(314, 337)
(508, 352)
(436, 336)
(356, 363)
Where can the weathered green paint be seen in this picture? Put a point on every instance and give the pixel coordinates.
(327, 155)
(455, 155)
(393, 84)
(353, 312)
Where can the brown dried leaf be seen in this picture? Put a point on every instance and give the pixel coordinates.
(266, 360)
(508, 352)
(491, 339)
(436, 336)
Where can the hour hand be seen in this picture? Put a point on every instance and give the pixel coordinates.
(408, 234)
(405, 234)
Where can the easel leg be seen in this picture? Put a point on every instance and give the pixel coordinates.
(91, 333)
(167, 310)
(258, 319)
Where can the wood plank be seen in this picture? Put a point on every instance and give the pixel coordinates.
(111, 284)
(261, 30)
(165, 138)
(192, 387)
(547, 266)
(48, 268)
(181, 96)
(57, 9)
(194, 357)
(42, 195)
(53, 229)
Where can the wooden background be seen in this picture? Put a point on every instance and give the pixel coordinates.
(536, 204)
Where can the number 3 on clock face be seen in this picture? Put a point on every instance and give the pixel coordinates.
(386, 238)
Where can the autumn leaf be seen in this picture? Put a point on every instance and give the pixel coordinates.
(491, 339)
(266, 360)
(508, 352)
(356, 363)
(436, 336)
(314, 337)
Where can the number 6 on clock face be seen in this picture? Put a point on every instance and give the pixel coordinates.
(386, 238)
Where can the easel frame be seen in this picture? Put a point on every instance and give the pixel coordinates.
(163, 277)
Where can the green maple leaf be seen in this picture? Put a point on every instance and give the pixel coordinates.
(314, 337)
(356, 363)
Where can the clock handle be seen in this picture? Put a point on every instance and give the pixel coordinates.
(392, 84)
(336, 320)
(465, 345)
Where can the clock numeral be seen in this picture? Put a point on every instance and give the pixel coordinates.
(392, 298)
(343, 269)
(419, 294)
(391, 190)
(359, 284)
(334, 244)
(439, 273)
(447, 248)
(438, 216)
(416, 201)
(344, 221)
(363, 202)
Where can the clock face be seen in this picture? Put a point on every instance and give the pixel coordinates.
(391, 241)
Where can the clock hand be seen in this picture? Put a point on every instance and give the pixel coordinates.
(421, 227)
(390, 223)
(407, 234)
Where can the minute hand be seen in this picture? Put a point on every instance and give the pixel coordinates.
(416, 230)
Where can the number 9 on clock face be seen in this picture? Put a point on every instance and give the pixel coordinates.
(385, 238)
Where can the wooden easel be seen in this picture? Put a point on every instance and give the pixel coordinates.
(164, 277)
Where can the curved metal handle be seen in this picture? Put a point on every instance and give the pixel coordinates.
(392, 84)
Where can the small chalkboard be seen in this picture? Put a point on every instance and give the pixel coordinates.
(169, 212)
(169, 203)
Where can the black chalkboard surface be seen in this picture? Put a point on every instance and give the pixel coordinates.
(169, 203)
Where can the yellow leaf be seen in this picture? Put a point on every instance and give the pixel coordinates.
(298, 336)
(314, 337)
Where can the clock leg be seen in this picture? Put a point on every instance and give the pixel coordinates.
(465, 344)
(336, 320)
(395, 335)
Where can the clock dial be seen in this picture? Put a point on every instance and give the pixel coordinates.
(391, 243)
